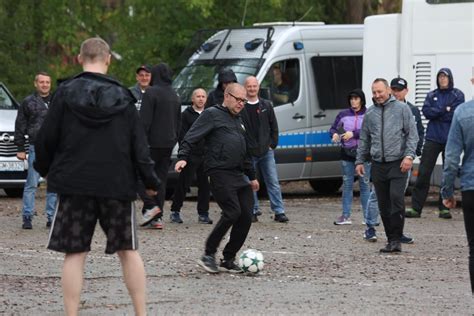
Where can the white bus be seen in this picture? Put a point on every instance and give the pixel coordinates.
(426, 36)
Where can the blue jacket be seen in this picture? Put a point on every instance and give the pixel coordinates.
(460, 139)
(436, 111)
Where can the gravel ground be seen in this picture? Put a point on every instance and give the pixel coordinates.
(312, 266)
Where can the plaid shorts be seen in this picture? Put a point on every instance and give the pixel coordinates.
(76, 217)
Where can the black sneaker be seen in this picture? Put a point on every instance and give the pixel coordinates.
(208, 263)
(407, 240)
(48, 224)
(204, 219)
(254, 218)
(392, 246)
(258, 213)
(229, 266)
(27, 223)
(445, 214)
(176, 218)
(281, 218)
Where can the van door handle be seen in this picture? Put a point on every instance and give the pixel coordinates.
(298, 116)
(319, 115)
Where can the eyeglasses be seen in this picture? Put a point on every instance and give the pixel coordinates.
(240, 100)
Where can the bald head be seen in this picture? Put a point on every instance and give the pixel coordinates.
(252, 87)
(199, 98)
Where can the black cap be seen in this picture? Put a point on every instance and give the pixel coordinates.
(144, 67)
(399, 83)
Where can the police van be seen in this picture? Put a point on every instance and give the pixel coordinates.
(318, 65)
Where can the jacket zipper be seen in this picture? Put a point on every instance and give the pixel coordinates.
(381, 136)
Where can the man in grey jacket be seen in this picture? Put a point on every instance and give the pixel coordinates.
(388, 138)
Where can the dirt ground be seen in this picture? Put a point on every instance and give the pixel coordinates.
(312, 266)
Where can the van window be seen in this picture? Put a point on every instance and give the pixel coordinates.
(5, 100)
(282, 82)
(335, 77)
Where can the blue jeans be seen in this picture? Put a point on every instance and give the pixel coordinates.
(29, 191)
(372, 212)
(348, 174)
(267, 167)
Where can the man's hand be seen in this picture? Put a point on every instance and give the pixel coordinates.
(450, 202)
(406, 165)
(151, 192)
(347, 135)
(21, 155)
(180, 165)
(360, 170)
(255, 185)
(336, 138)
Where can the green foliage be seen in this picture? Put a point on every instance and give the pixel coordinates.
(45, 35)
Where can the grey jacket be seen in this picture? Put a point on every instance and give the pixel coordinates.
(388, 133)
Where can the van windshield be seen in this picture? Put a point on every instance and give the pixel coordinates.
(6, 101)
(203, 74)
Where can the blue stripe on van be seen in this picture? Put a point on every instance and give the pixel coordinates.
(305, 139)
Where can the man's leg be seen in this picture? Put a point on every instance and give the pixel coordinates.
(241, 227)
(397, 200)
(348, 173)
(468, 211)
(72, 279)
(29, 191)
(203, 190)
(269, 172)
(256, 165)
(364, 186)
(382, 191)
(429, 156)
(134, 277)
(162, 158)
(371, 214)
(51, 200)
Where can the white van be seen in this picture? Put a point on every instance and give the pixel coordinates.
(320, 64)
(12, 171)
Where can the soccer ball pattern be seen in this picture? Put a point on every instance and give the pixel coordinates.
(251, 260)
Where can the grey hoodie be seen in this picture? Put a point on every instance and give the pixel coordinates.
(388, 133)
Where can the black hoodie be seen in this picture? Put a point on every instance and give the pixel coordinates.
(161, 109)
(216, 96)
(92, 142)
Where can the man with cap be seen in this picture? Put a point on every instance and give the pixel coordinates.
(226, 76)
(143, 76)
(438, 108)
(399, 87)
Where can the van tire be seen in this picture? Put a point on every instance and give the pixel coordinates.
(14, 192)
(326, 186)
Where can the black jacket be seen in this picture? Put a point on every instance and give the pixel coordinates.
(216, 96)
(267, 129)
(160, 110)
(225, 142)
(92, 141)
(419, 127)
(30, 117)
(188, 117)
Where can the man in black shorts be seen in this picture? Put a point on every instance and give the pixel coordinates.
(90, 146)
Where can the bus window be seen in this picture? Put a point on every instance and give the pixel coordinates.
(281, 84)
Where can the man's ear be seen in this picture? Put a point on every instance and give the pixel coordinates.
(79, 59)
(108, 60)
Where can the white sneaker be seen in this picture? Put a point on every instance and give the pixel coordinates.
(341, 220)
(149, 215)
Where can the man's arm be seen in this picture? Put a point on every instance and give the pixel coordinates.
(47, 139)
(452, 157)
(200, 128)
(21, 123)
(273, 126)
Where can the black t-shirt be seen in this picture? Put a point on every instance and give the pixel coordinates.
(252, 111)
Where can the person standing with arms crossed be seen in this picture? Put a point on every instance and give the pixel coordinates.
(30, 117)
(229, 168)
(91, 146)
(438, 108)
(388, 138)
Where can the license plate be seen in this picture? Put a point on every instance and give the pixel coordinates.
(12, 166)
